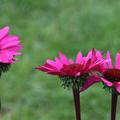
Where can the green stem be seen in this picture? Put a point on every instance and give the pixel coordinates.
(0, 105)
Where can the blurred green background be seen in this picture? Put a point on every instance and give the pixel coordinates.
(45, 27)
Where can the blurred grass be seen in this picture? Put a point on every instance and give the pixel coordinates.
(45, 27)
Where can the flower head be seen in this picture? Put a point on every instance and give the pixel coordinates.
(74, 72)
(67, 67)
(9, 46)
(111, 75)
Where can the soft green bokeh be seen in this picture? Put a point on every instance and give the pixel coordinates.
(45, 27)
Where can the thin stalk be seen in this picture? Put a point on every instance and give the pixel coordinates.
(77, 103)
(114, 99)
(0, 105)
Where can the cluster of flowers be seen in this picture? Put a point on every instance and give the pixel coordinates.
(79, 75)
(86, 70)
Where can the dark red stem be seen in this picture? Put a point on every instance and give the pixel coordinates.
(77, 103)
(113, 105)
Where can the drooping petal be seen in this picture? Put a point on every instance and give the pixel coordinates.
(78, 57)
(108, 83)
(89, 82)
(63, 58)
(117, 62)
(117, 86)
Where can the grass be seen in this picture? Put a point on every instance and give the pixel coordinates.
(45, 27)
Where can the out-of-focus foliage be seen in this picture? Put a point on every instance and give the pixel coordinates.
(45, 27)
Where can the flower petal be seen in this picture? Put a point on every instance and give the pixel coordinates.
(44, 69)
(53, 63)
(9, 46)
(4, 32)
(78, 57)
(90, 81)
(63, 58)
(118, 88)
(9, 41)
(71, 61)
(108, 83)
(58, 62)
(108, 64)
(99, 55)
(117, 63)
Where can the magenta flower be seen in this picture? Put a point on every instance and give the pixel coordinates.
(9, 46)
(111, 81)
(80, 69)
(79, 74)
(97, 66)
(111, 73)
(64, 67)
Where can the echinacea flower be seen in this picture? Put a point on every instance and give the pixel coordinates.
(75, 72)
(111, 75)
(78, 74)
(9, 48)
(111, 79)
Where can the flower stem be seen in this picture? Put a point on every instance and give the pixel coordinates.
(77, 103)
(0, 105)
(113, 105)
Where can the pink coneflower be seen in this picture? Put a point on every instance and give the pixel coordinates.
(111, 81)
(111, 74)
(9, 46)
(67, 69)
(75, 74)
